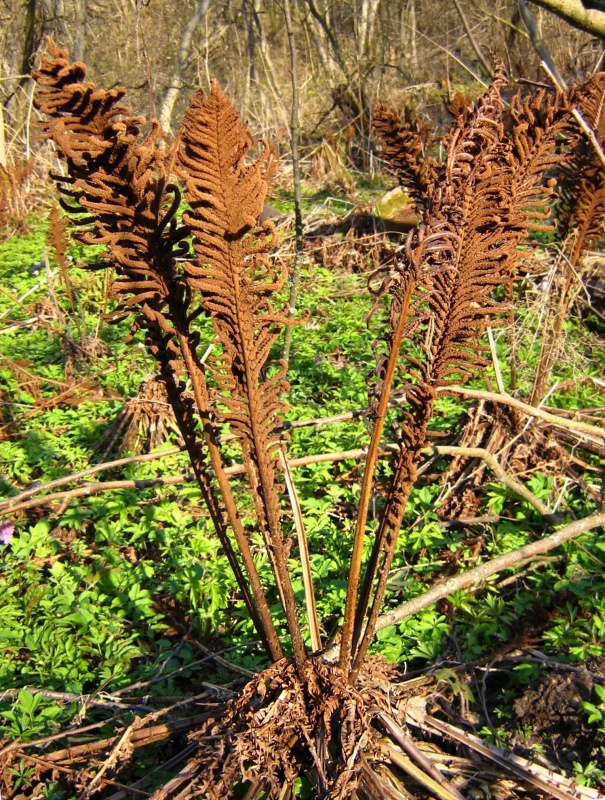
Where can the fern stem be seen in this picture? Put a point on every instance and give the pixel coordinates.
(303, 547)
(259, 610)
(366, 488)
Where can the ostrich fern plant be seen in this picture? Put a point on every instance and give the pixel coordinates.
(305, 712)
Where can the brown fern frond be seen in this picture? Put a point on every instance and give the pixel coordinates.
(489, 192)
(581, 210)
(121, 197)
(582, 175)
(406, 146)
(458, 107)
(236, 280)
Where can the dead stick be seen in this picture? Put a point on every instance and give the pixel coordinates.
(532, 411)
(409, 747)
(505, 399)
(450, 585)
(140, 738)
(238, 469)
(492, 462)
(88, 489)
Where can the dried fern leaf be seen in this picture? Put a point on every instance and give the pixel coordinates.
(236, 280)
(582, 175)
(121, 197)
(406, 146)
(488, 193)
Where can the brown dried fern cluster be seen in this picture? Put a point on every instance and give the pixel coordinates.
(477, 206)
(118, 193)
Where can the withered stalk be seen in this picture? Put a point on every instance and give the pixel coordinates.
(366, 487)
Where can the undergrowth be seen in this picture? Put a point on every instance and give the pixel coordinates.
(136, 582)
(100, 594)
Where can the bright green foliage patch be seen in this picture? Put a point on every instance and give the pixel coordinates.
(117, 587)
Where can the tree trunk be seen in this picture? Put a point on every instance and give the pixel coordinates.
(80, 30)
(296, 177)
(176, 81)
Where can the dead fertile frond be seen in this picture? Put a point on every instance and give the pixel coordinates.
(582, 175)
(121, 197)
(406, 146)
(236, 280)
(489, 191)
(581, 210)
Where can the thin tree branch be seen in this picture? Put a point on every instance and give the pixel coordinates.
(472, 40)
(12, 504)
(238, 469)
(107, 465)
(122, 462)
(539, 46)
(296, 178)
(491, 461)
(483, 571)
(532, 411)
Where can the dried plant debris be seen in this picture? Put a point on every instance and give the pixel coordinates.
(15, 198)
(392, 737)
(301, 716)
(581, 179)
(282, 725)
(144, 423)
(120, 195)
(487, 194)
(406, 146)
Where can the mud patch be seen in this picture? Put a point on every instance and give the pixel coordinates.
(552, 714)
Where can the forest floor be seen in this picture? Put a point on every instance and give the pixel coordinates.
(117, 607)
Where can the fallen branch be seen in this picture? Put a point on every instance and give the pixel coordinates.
(10, 504)
(140, 738)
(532, 411)
(548, 782)
(450, 585)
(89, 489)
(122, 462)
(107, 465)
(90, 700)
(14, 504)
(512, 483)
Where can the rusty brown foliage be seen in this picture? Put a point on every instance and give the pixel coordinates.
(581, 180)
(236, 280)
(478, 204)
(118, 193)
(581, 207)
(406, 145)
(14, 189)
(487, 194)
